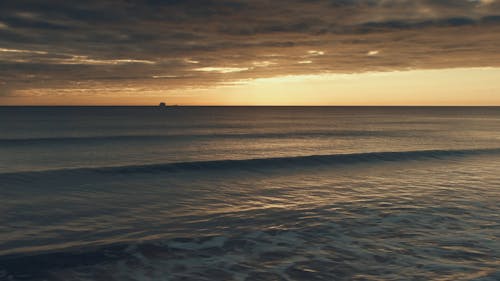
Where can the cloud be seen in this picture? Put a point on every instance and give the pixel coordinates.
(6, 50)
(85, 60)
(315, 53)
(263, 63)
(184, 43)
(485, 2)
(221, 69)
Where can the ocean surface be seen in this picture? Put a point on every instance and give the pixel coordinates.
(250, 193)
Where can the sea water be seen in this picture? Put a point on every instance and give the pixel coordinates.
(249, 193)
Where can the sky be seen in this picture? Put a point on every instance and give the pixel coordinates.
(242, 52)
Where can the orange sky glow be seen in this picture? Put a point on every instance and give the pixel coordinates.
(460, 86)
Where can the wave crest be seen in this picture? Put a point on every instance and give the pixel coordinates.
(276, 162)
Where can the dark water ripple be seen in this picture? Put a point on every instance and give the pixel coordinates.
(288, 193)
(376, 221)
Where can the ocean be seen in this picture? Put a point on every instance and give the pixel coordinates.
(250, 193)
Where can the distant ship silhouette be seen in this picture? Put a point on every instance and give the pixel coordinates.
(163, 105)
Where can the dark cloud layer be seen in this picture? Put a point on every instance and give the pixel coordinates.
(56, 44)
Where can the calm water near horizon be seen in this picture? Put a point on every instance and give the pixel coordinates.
(250, 193)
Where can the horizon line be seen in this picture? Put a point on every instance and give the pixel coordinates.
(187, 105)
